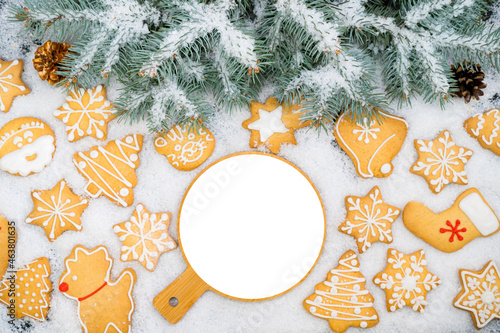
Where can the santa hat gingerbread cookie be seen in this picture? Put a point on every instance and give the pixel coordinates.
(485, 127)
(371, 146)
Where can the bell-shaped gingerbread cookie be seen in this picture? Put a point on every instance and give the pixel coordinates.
(371, 145)
(485, 127)
(470, 217)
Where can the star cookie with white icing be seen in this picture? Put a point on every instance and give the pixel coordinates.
(86, 113)
(406, 280)
(145, 237)
(57, 210)
(441, 162)
(11, 84)
(369, 219)
(480, 294)
(272, 124)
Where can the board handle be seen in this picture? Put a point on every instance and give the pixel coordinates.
(178, 297)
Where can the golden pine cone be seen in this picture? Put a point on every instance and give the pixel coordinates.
(47, 58)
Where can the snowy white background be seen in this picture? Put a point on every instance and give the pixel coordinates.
(161, 187)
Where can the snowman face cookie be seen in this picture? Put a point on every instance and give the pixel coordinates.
(27, 145)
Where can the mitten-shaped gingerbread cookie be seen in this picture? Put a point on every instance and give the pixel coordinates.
(485, 127)
(469, 217)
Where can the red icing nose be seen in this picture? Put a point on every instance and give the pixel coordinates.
(63, 287)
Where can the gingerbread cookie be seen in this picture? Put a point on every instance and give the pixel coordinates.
(469, 217)
(342, 299)
(485, 127)
(11, 84)
(145, 237)
(57, 210)
(86, 113)
(369, 219)
(8, 238)
(103, 305)
(27, 145)
(110, 170)
(406, 280)
(371, 146)
(273, 124)
(27, 291)
(480, 294)
(441, 161)
(186, 149)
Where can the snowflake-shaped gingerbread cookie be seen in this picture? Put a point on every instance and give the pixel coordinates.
(145, 237)
(86, 113)
(57, 210)
(480, 294)
(369, 219)
(406, 280)
(441, 162)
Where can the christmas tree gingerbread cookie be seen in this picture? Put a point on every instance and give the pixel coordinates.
(8, 238)
(480, 294)
(28, 289)
(406, 280)
(470, 217)
(369, 219)
(110, 170)
(57, 210)
(485, 127)
(27, 145)
(11, 84)
(145, 237)
(342, 298)
(273, 124)
(86, 113)
(103, 305)
(186, 149)
(441, 162)
(371, 145)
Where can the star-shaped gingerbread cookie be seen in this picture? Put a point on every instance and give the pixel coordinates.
(406, 280)
(11, 84)
(480, 294)
(145, 237)
(369, 219)
(441, 162)
(272, 124)
(86, 113)
(57, 210)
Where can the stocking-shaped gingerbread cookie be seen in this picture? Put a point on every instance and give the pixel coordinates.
(469, 217)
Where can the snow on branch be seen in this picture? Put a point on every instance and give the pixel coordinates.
(421, 11)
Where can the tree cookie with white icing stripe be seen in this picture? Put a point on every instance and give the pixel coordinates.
(145, 237)
(342, 299)
(371, 145)
(103, 305)
(57, 210)
(27, 146)
(110, 170)
(480, 294)
(86, 113)
(441, 162)
(185, 149)
(485, 127)
(26, 292)
(11, 84)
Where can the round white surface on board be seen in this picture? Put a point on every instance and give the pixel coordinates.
(252, 226)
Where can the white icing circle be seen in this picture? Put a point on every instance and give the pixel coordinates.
(363, 324)
(386, 168)
(124, 192)
(129, 140)
(94, 154)
(133, 157)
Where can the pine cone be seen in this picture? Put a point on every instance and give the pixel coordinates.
(47, 58)
(469, 79)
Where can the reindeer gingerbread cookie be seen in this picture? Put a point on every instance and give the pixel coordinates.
(103, 306)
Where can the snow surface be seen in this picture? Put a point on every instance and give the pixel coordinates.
(317, 155)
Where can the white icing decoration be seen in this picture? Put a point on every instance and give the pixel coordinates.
(269, 123)
(84, 112)
(335, 304)
(366, 131)
(386, 168)
(4, 81)
(16, 162)
(495, 132)
(480, 214)
(124, 192)
(481, 298)
(115, 173)
(57, 211)
(443, 162)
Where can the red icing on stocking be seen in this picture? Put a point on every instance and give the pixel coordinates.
(454, 230)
